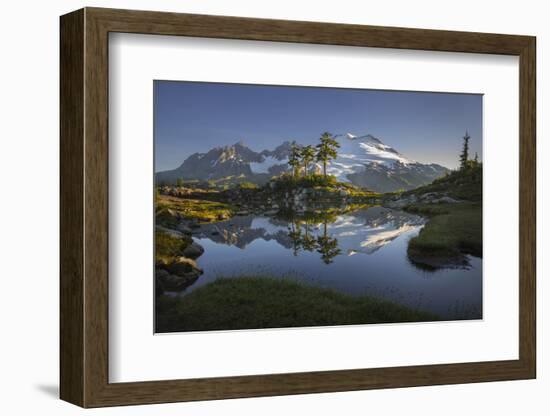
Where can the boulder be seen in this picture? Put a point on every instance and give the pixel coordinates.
(170, 232)
(172, 212)
(193, 251)
(177, 275)
(428, 195)
(184, 228)
(172, 282)
(182, 265)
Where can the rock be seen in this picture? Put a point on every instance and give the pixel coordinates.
(172, 282)
(429, 195)
(215, 232)
(222, 217)
(446, 200)
(193, 251)
(161, 273)
(242, 213)
(173, 213)
(170, 232)
(184, 228)
(177, 275)
(182, 266)
(194, 223)
(167, 217)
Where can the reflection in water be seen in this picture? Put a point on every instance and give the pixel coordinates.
(362, 252)
(363, 231)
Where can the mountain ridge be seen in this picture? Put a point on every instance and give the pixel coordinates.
(362, 160)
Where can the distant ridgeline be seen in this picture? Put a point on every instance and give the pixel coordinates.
(361, 160)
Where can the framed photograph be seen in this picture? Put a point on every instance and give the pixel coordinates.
(255, 207)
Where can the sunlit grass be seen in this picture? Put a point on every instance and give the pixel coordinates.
(199, 209)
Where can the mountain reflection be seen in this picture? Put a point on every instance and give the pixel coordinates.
(363, 231)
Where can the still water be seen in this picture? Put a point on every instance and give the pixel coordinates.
(358, 253)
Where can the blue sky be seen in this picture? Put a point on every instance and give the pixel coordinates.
(197, 116)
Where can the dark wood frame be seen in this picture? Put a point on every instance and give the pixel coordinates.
(84, 209)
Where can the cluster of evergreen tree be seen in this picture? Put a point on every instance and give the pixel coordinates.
(465, 161)
(302, 156)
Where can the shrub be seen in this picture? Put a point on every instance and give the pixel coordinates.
(247, 185)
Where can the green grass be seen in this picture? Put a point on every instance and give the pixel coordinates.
(452, 231)
(202, 210)
(463, 184)
(284, 182)
(247, 185)
(267, 302)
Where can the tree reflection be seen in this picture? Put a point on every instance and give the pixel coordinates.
(303, 239)
(309, 243)
(295, 234)
(327, 246)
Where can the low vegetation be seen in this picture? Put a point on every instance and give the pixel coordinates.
(267, 302)
(454, 229)
(314, 181)
(168, 247)
(463, 184)
(168, 209)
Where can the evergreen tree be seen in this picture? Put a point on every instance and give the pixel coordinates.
(308, 155)
(294, 158)
(464, 155)
(326, 150)
(476, 160)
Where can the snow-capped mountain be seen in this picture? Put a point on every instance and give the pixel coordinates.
(366, 161)
(356, 152)
(362, 232)
(230, 161)
(362, 160)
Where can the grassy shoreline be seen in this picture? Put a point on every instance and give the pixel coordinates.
(453, 206)
(452, 232)
(252, 302)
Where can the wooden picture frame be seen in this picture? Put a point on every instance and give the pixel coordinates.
(84, 207)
